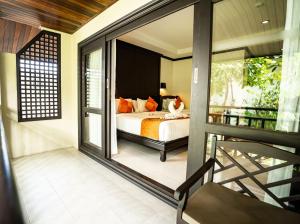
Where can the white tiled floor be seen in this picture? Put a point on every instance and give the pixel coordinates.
(146, 161)
(172, 173)
(65, 186)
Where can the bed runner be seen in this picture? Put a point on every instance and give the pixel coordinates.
(150, 127)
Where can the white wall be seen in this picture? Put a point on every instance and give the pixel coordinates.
(166, 71)
(178, 75)
(182, 75)
(26, 138)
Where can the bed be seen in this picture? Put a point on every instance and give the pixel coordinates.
(172, 134)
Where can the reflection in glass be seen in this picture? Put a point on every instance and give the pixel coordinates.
(93, 78)
(255, 73)
(92, 129)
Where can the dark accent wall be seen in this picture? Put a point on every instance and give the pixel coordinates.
(137, 71)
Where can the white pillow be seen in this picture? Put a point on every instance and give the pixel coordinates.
(135, 105)
(141, 105)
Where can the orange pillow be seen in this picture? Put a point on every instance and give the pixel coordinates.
(125, 106)
(151, 105)
(177, 102)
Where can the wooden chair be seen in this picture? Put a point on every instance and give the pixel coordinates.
(213, 203)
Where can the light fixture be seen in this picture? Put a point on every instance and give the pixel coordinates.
(265, 21)
(163, 85)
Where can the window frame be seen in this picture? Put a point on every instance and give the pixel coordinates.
(254, 134)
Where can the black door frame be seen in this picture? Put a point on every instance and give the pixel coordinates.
(86, 49)
(200, 127)
(150, 12)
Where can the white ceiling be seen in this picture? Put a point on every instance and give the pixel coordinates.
(171, 36)
(237, 24)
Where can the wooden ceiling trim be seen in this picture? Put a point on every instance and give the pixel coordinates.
(79, 5)
(10, 29)
(15, 18)
(34, 21)
(49, 8)
(21, 39)
(67, 9)
(15, 35)
(106, 3)
(20, 9)
(66, 16)
(2, 27)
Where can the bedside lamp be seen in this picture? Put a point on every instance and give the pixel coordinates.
(163, 87)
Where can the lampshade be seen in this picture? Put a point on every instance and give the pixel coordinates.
(163, 85)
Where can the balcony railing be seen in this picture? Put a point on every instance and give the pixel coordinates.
(225, 115)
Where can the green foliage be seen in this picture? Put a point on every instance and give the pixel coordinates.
(265, 73)
(253, 82)
(260, 77)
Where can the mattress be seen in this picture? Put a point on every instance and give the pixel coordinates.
(168, 130)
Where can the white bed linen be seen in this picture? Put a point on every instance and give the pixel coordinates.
(168, 130)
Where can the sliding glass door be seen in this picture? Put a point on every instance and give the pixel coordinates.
(92, 98)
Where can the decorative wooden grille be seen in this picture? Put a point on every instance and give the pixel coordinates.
(39, 79)
(252, 161)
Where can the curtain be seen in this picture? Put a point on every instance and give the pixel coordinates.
(289, 99)
(114, 145)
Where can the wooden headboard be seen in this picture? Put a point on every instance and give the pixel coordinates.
(137, 71)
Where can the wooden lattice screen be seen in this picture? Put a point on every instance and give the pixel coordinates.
(39, 78)
(244, 155)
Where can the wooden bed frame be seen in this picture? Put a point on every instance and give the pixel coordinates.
(163, 147)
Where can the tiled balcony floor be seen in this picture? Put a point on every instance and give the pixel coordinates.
(146, 161)
(65, 186)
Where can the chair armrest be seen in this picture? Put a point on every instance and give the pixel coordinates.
(183, 188)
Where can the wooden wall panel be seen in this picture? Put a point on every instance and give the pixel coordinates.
(63, 15)
(137, 72)
(14, 36)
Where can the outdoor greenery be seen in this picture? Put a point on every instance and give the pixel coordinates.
(264, 73)
(252, 82)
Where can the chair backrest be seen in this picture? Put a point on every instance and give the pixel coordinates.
(262, 171)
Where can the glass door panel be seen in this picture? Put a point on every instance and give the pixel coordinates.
(255, 77)
(92, 129)
(92, 98)
(93, 79)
